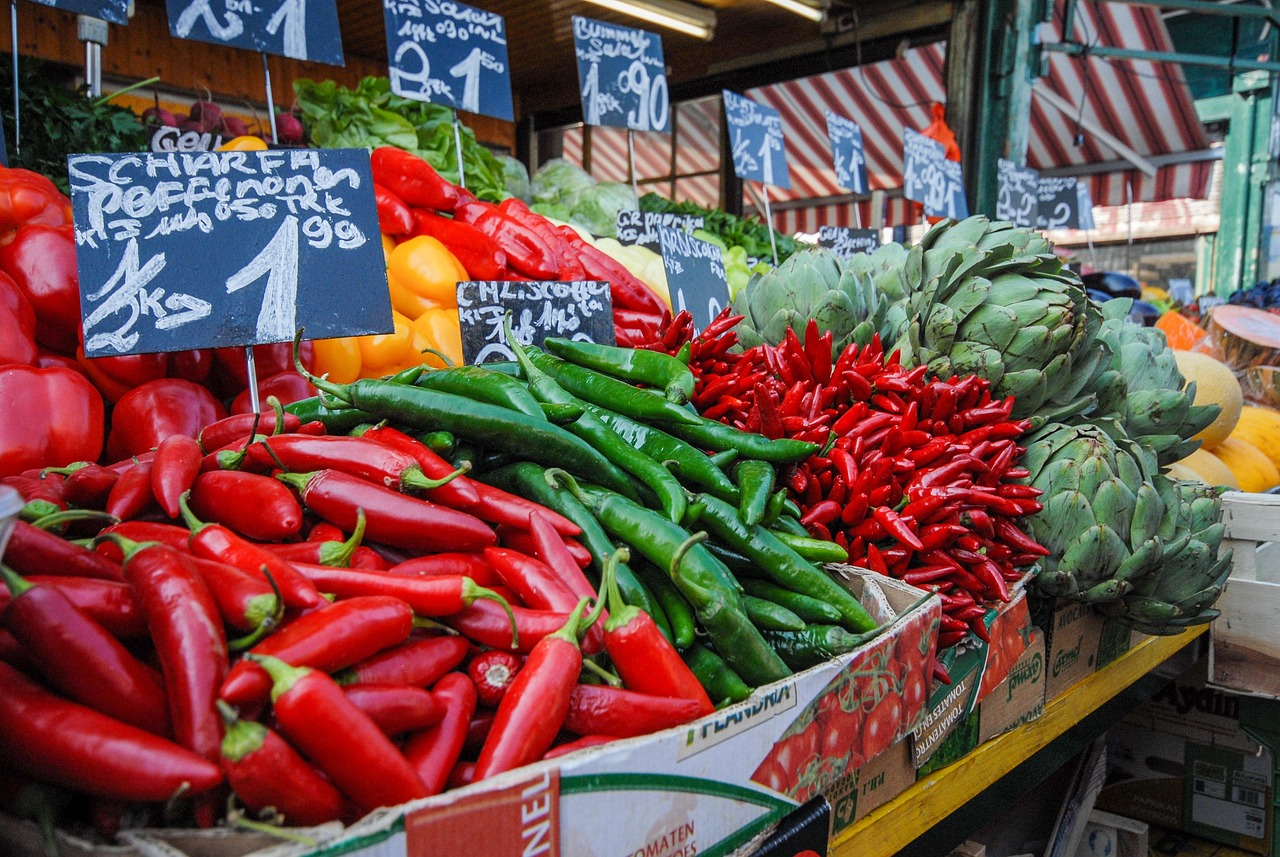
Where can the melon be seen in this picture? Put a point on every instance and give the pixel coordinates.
(1180, 472)
(1251, 467)
(1217, 385)
(1207, 468)
(1261, 427)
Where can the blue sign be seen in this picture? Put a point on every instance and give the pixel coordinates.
(1018, 200)
(755, 133)
(846, 243)
(449, 53)
(112, 11)
(298, 29)
(208, 249)
(1064, 203)
(695, 275)
(847, 153)
(1084, 203)
(622, 77)
(930, 179)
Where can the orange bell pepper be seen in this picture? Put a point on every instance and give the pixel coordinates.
(427, 271)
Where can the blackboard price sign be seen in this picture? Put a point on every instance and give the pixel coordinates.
(1059, 206)
(166, 138)
(641, 227)
(111, 11)
(846, 243)
(1018, 200)
(755, 133)
(298, 29)
(930, 179)
(449, 53)
(581, 310)
(695, 275)
(621, 76)
(1084, 204)
(212, 249)
(847, 153)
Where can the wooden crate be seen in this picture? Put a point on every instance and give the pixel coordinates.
(1244, 642)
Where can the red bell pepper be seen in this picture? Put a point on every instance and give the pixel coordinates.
(41, 259)
(479, 254)
(231, 373)
(48, 417)
(396, 708)
(318, 718)
(81, 659)
(264, 771)
(413, 179)
(17, 324)
(433, 752)
(115, 376)
(29, 197)
(417, 663)
(191, 365)
(148, 414)
(287, 386)
(71, 745)
(394, 217)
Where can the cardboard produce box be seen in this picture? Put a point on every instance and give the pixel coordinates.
(1079, 641)
(706, 788)
(1182, 761)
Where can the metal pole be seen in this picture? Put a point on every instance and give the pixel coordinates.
(457, 141)
(768, 221)
(271, 114)
(631, 162)
(252, 367)
(93, 32)
(13, 43)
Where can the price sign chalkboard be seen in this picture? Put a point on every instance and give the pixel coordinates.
(1084, 204)
(621, 76)
(112, 11)
(166, 138)
(1019, 198)
(299, 29)
(449, 53)
(210, 249)
(847, 153)
(846, 243)
(641, 227)
(1059, 206)
(930, 179)
(582, 310)
(695, 275)
(755, 133)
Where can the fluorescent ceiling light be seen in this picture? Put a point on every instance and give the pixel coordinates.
(813, 13)
(686, 18)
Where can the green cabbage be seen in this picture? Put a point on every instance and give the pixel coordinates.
(597, 207)
(559, 182)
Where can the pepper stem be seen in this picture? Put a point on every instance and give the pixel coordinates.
(414, 479)
(271, 452)
(620, 612)
(685, 547)
(65, 471)
(422, 623)
(340, 557)
(444, 358)
(17, 583)
(268, 624)
(471, 591)
(569, 630)
(602, 673)
(127, 546)
(57, 519)
(297, 481)
(189, 517)
(555, 475)
(342, 392)
(283, 676)
(277, 408)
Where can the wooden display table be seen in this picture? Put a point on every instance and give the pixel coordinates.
(1023, 756)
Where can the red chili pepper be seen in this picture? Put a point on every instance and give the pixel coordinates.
(535, 706)
(148, 414)
(52, 417)
(413, 179)
(394, 217)
(493, 672)
(106, 602)
(550, 548)
(438, 595)
(534, 582)
(821, 513)
(273, 514)
(627, 291)
(392, 518)
(246, 602)
(80, 658)
(241, 427)
(478, 254)
(67, 744)
(603, 710)
(174, 470)
(433, 752)
(580, 744)
(359, 457)
(32, 550)
(41, 495)
(337, 636)
(264, 771)
(1011, 534)
(459, 493)
(472, 565)
(521, 540)
(318, 718)
(526, 252)
(214, 541)
(498, 507)
(417, 663)
(132, 494)
(478, 729)
(143, 531)
(486, 623)
(288, 387)
(87, 485)
(896, 527)
(396, 708)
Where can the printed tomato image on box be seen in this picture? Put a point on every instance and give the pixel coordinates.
(876, 698)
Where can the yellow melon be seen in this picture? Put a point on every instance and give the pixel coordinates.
(1182, 473)
(1207, 468)
(1252, 469)
(1215, 384)
(1261, 427)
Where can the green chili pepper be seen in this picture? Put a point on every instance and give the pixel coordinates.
(464, 452)
(790, 525)
(779, 562)
(440, 442)
(717, 678)
(651, 368)
(529, 480)
(814, 550)
(336, 420)
(709, 434)
(484, 385)
(770, 616)
(724, 458)
(619, 396)
(774, 507)
(604, 439)
(741, 567)
(560, 413)
(506, 367)
(816, 644)
(679, 613)
(691, 464)
(703, 580)
(808, 609)
(755, 486)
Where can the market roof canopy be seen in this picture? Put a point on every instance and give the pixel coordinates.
(1145, 106)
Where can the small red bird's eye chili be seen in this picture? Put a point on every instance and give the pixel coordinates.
(396, 708)
(433, 752)
(317, 717)
(492, 672)
(417, 663)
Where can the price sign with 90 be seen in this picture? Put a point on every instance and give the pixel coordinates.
(449, 53)
(621, 76)
(211, 249)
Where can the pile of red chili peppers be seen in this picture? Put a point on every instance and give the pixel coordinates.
(443, 657)
(917, 477)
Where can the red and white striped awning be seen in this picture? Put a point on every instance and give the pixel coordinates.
(1145, 106)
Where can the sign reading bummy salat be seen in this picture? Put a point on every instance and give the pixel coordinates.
(622, 77)
(210, 249)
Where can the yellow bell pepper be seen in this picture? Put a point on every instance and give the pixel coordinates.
(441, 328)
(245, 143)
(425, 269)
(337, 358)
(388, 244)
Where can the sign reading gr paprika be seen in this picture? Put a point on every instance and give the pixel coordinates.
(582, 310)
(207, 249)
